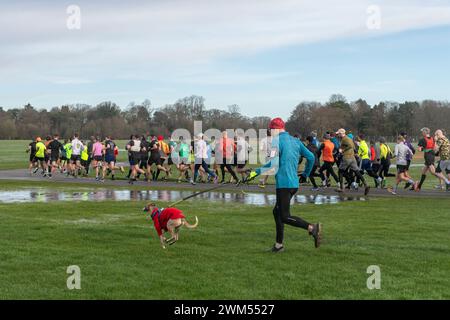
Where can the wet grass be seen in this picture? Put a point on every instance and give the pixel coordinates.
(224, 258)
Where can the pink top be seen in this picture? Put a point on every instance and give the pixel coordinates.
(97, 149)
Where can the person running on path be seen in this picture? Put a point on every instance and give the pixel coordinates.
(401, 154)
(97, 157)
(77, 147)
(110, 158)
(427, 145)
(200, 151)
(225, 156)
(312, 147)
(327, 148)
(33, 165)
(55, 148)
(285, 163)
(385, 161)
(265, 151)
(40, 155)
(443, 148)
(349, 161)
(366, 164)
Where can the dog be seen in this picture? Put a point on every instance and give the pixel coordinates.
(168, 220)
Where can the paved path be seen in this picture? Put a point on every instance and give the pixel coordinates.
(23, 175)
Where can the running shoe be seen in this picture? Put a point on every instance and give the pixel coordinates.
(314, 189)
(277, 250)
(316, 233)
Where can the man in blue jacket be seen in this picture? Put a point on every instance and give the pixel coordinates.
(285, 163)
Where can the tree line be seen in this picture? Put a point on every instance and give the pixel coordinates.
(385, 119)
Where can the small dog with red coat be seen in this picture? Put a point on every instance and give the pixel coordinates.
(167, 220)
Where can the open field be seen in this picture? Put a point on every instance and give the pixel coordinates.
(119, 254)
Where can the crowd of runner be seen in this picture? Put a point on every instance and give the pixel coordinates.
(340, 157)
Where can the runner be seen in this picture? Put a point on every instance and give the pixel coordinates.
(312, 147)
(155, 157)
(385, 161)
(349, 161)
(40, 155)
(427, 145)
(85, 159)
(183, 166)
(97, 157)
(110, 158)
(265, 149)
(55, 148)
(68, 150)
(242, 151)
(409, 157)
(288, 151)
(443, 148)
(327, 148)
(225, 156)
(77, 147)
(366, 164)
(143, 164)
(200, 151)
(134, 147)
(33, 165)
(401, 153)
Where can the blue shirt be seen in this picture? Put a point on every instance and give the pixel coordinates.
(285, 163)
(336, 143)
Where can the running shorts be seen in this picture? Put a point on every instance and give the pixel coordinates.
(429, 158)
(402, 168)
(347, 163)
(75, 158)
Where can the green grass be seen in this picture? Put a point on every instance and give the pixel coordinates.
(224, 258)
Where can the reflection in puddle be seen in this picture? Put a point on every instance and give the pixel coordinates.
(46, 195)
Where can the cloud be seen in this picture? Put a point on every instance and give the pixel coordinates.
(183, 40)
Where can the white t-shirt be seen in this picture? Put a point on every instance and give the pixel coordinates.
(242, 150)
(200, 150)
(77, 147)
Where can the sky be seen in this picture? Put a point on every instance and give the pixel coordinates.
(264, 55)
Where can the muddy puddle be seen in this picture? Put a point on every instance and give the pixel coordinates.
(47, 195)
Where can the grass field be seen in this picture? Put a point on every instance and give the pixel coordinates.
(224, 258)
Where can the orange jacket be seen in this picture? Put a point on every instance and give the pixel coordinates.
(327, 152)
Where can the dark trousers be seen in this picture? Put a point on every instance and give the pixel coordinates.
(328, 167)
(224, 165)
(204, 166)
(282, 214)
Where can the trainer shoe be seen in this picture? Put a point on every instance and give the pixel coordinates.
(314, 189)
(192, 182)
(277, 250)
(316, 233)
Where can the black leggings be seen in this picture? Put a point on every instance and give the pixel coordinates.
(328, 167)
(282, 214)
(229, 168)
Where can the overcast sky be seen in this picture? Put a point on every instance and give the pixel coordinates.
(264, 55)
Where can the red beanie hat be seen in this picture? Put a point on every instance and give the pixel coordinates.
(160, 138)
(276, 123)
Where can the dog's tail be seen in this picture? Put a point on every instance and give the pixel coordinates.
(191, 226)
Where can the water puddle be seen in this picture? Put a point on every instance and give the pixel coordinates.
(47, 195)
